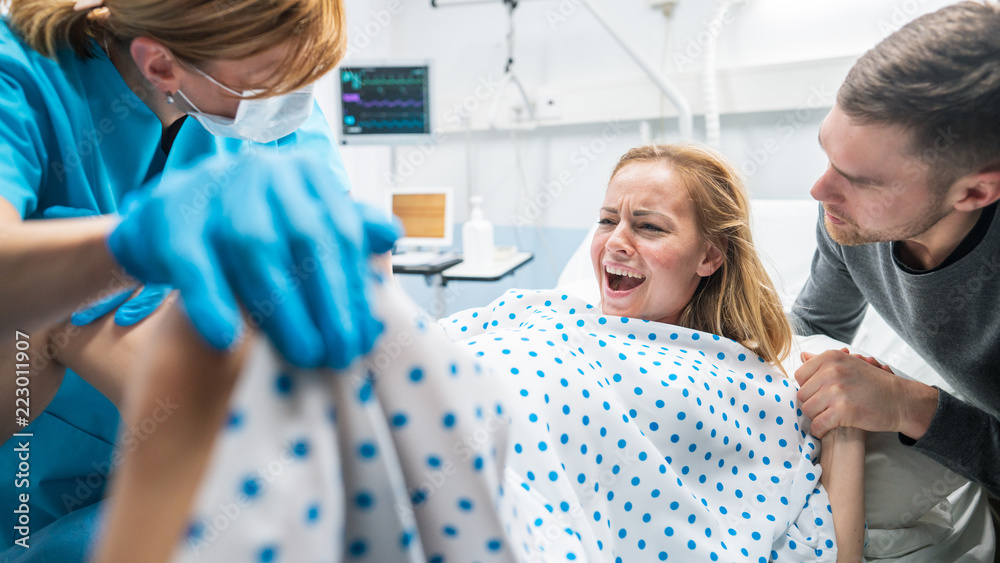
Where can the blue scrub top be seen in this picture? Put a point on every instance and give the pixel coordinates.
(73, 134)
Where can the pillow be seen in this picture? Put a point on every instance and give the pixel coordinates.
(577, 277)
(932, 530)
(901, 484)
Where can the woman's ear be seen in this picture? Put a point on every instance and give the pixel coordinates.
(712, 260)
(156, 63)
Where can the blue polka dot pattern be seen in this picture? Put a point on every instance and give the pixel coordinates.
(534, 428)
(283, 383)
(268, 554)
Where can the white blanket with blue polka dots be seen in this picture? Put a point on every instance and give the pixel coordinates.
(533, 429)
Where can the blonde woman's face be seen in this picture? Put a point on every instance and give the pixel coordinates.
(647, 253)
(256, 72)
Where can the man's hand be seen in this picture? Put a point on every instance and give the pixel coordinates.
(838, 389)
(870, 359)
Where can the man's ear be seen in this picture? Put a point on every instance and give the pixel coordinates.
(977, 190)
(711, 262)
(156, 63)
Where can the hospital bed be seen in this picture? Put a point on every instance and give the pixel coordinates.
(916, 509)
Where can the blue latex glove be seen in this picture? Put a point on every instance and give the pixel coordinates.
(63, 212)
(127, 311)
(275, 233)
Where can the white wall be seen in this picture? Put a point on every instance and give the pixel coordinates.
(561, 47)
(780, 64)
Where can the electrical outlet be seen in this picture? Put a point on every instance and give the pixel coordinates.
(548, 104)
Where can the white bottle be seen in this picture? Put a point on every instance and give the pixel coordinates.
(477, 238)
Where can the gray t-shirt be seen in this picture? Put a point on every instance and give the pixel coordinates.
(950, 316)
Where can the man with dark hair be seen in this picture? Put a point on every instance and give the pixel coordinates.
(908, 224)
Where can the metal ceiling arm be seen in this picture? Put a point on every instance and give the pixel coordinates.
(684, 114)
(509, 77)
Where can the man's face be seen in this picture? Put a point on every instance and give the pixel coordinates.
(873, 189)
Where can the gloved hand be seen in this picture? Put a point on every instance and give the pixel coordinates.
(133, 310)
(63, 212)
(127, 314)
(273, 233)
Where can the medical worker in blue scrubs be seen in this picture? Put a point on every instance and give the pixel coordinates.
(151, 145)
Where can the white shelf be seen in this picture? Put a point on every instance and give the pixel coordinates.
(497, 270)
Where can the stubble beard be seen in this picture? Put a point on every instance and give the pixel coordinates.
(851, 235)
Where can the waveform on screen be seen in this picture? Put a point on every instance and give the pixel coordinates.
(392, 124)
(397, 103)
(385, 102)
(360, 80)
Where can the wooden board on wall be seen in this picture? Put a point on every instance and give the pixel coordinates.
(423, 215)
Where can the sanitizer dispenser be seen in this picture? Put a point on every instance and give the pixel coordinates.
(477, 238)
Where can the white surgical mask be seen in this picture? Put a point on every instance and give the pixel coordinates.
(262, 119)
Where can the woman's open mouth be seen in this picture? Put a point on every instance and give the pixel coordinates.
(620, 281)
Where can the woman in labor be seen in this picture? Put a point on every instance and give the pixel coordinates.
(656, 424)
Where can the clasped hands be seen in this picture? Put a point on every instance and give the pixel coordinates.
(839, 389)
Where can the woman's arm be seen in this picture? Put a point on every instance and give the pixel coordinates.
(843, 461)
(50, 268)
(184, 386)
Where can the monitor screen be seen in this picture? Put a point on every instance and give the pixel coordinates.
(426, 214)
(384, 103)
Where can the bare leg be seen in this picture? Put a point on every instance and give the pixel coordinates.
(101, 352)
(184, 387)
(33, 364)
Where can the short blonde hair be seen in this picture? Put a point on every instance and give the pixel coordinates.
(738, 301)
(197, 31)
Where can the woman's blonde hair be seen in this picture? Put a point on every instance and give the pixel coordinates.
(738, 301)
(196, 31)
